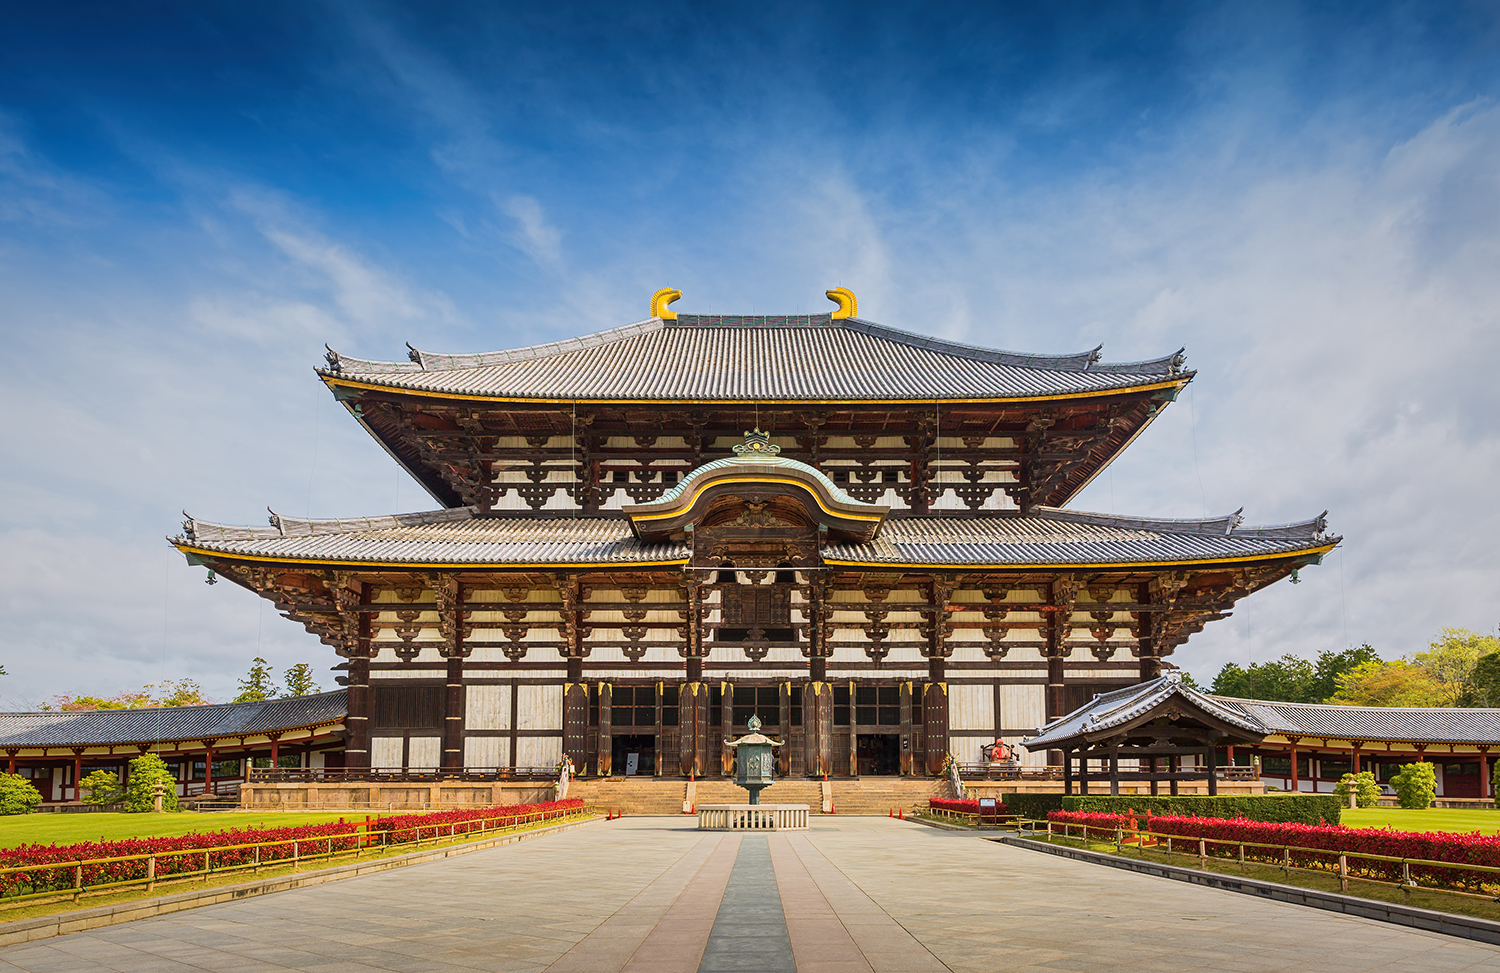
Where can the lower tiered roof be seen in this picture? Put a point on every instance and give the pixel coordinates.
(460, 537)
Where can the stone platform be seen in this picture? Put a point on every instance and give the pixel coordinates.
(389, 796)
(752, 817)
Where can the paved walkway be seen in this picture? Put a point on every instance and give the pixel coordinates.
(853, 895)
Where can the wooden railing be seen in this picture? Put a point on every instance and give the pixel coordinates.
(1485, 879)
(321, 775)
(999, 771)
(22, 884)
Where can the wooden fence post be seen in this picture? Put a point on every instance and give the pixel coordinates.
(1202, 854)
(1343, 873)
(151, 873)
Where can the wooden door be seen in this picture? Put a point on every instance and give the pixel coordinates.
(606, 741)
(935, 725)
(907, 745)
(784, 752)
(575, 724)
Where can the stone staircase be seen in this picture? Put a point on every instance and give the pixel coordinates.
(868, 795)
(878, 795)
(795, 791)
(632, 795)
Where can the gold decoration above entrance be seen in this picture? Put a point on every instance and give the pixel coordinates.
(757, 443)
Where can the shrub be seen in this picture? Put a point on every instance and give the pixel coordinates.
(146, 770)
(1303, 808)
(1033, 806)
(185, 853)
(1366, 791)
(965, 806)
(102, 787)
(17, 796)
(1416, 785)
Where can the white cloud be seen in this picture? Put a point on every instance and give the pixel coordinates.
(537, 237)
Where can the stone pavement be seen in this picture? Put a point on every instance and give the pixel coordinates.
(652, 895)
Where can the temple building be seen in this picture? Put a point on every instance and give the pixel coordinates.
(645, 536)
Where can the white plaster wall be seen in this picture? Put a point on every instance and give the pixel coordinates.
(971, 708)
(1023, 707)
(425, 752)
(487, 708)
(486, 752)
(539, 708)
(538, 751)
(385, 751)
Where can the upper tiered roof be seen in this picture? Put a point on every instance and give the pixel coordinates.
(727, 358)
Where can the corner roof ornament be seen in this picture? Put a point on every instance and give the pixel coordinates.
(847, 302)
(1175, 363)
(332, 357)
(757, 443)
(415, 356)
(1235, 519)
(661, 299)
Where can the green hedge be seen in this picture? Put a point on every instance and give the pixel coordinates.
(1278, 808)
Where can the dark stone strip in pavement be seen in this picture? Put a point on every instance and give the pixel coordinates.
(615, 940)
(820, 943)
(749, 933)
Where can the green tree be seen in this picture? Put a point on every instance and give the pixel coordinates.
(146, 770)
(299, 681)
(180, 692)
(1398, 683)
(1416, 785)
(257, 684)
(1485, 682)
(1451, 660)
(1366, 790)
(1288, 679)
(17, 796)
(102, 787)
(1330, 665)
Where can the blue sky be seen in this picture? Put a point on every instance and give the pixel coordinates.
(195, 197)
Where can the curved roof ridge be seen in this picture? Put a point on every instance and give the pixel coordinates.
(1348, 708)
(428, 361)
(195, 529)
(1075, 362)
(1314, 529)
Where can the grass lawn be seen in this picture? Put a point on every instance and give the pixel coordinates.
(62, 829)
(1460, 820)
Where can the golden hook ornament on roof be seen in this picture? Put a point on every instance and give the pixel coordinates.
(660, 300)
(844, 298)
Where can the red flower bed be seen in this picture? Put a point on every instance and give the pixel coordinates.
(409, 827)
(1319, 845)
(967, 807)
(186, 853)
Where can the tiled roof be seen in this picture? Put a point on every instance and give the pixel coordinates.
(458, 536)
(1119, 707)
(1056, 536)
(1408, 725)
(454, 536)
(742, 357)
(123, 726)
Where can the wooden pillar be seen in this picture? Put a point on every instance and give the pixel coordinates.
(784, 720)
(658, 761)
(453, 717)
(817, 728)
(817, 630)
(1486, 786)
(726, 728)
(452, 621)
(1083, 772)
(1354, 761)
(934, 725)
(77, 774)
(1067, 765)
(275, 749)
(1114, 771)
(692, 728)
(10, 763)
(1154, 781)
(1212, 755)
(935, 692)
(1172, 765)
(606, 747)
(208, 768)
(908, 735)
(1295, 785)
